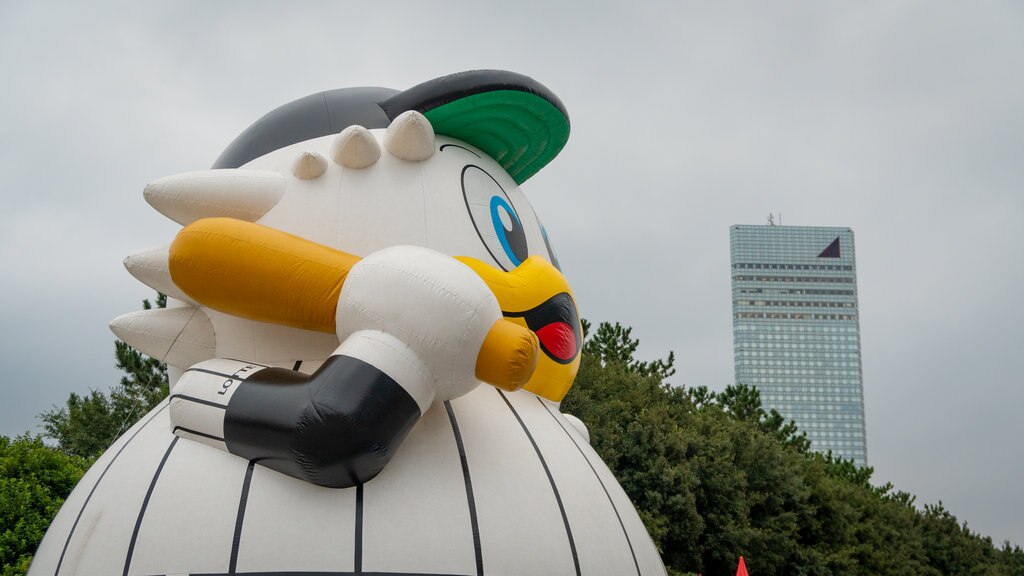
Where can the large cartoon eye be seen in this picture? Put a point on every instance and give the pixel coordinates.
(494, 217)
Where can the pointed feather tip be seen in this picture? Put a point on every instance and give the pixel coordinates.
(151, 267)
(309, 165)
(178, 336)
(355, 147)
(410, 137)
(232, 193)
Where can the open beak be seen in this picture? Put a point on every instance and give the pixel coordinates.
(537, 296)
(557, 326)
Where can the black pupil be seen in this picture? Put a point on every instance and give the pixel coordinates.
(516, 237)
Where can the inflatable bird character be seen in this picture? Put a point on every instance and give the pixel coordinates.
(368, 336)
(351, 234)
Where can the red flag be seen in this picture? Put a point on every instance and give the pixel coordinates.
(741, 570)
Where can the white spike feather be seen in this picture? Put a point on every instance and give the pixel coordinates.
(178, 336)
(309, 165)
(410, 137)
(355, 147)
(150, 267)
(242, 194)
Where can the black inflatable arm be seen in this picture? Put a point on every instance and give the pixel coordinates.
(338, 427)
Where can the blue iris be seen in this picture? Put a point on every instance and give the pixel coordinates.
(516, 249)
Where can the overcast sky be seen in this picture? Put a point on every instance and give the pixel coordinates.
(901, 120)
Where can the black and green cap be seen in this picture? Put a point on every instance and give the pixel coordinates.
(516, 120)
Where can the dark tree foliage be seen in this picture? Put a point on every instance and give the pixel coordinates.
(715, 476)
(86, 425)
(34, 481)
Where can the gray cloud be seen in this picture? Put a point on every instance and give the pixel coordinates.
(901, 120)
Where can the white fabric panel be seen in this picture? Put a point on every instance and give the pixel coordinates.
(599, 547)
(415, 514)
(195, 417)
(244, 339)
(48, 554)
(448, 224)
(309, 208)
(418, 506)
(200, 420)
(199, 543)
(646, 552)
(291, 525)
(204, 386)
(365, 222)
(216, 444)
(237, 368)
(521, 528)
(197, 421)
(100, 542)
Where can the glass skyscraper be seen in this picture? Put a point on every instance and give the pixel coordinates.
(796, 333)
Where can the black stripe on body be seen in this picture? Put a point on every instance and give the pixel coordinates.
(601, 482)
(197, 433)
(477, 549)
(318, 573)
(221, 374)
(145, 504)
(357, 559)
(247, 362)
(94, 486)
(551, 479)
(198, 401)
(240, 518)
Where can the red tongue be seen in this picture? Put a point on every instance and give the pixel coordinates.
(559, 339)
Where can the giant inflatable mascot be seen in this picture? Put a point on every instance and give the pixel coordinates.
(371, 337)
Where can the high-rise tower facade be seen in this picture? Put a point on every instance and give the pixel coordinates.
(796, 333)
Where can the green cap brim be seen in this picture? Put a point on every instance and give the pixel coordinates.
(514, 119)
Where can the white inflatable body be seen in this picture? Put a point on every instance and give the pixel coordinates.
(487, 481)
(491, 504)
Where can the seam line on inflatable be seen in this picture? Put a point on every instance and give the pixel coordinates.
(477, 549)
(601, 482)
(551, 480)
(357, 556)
(243, 499)
(145, 504)
(221, 374)
(180, 332)
(197, 401)
(96, 485)
(196, 433)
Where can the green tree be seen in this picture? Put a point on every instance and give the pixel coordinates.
(613, 344)
(34, 481)
(86, 425)
(715, 476)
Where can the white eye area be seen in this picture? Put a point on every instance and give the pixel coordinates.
(506, 220)
(496, 220)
